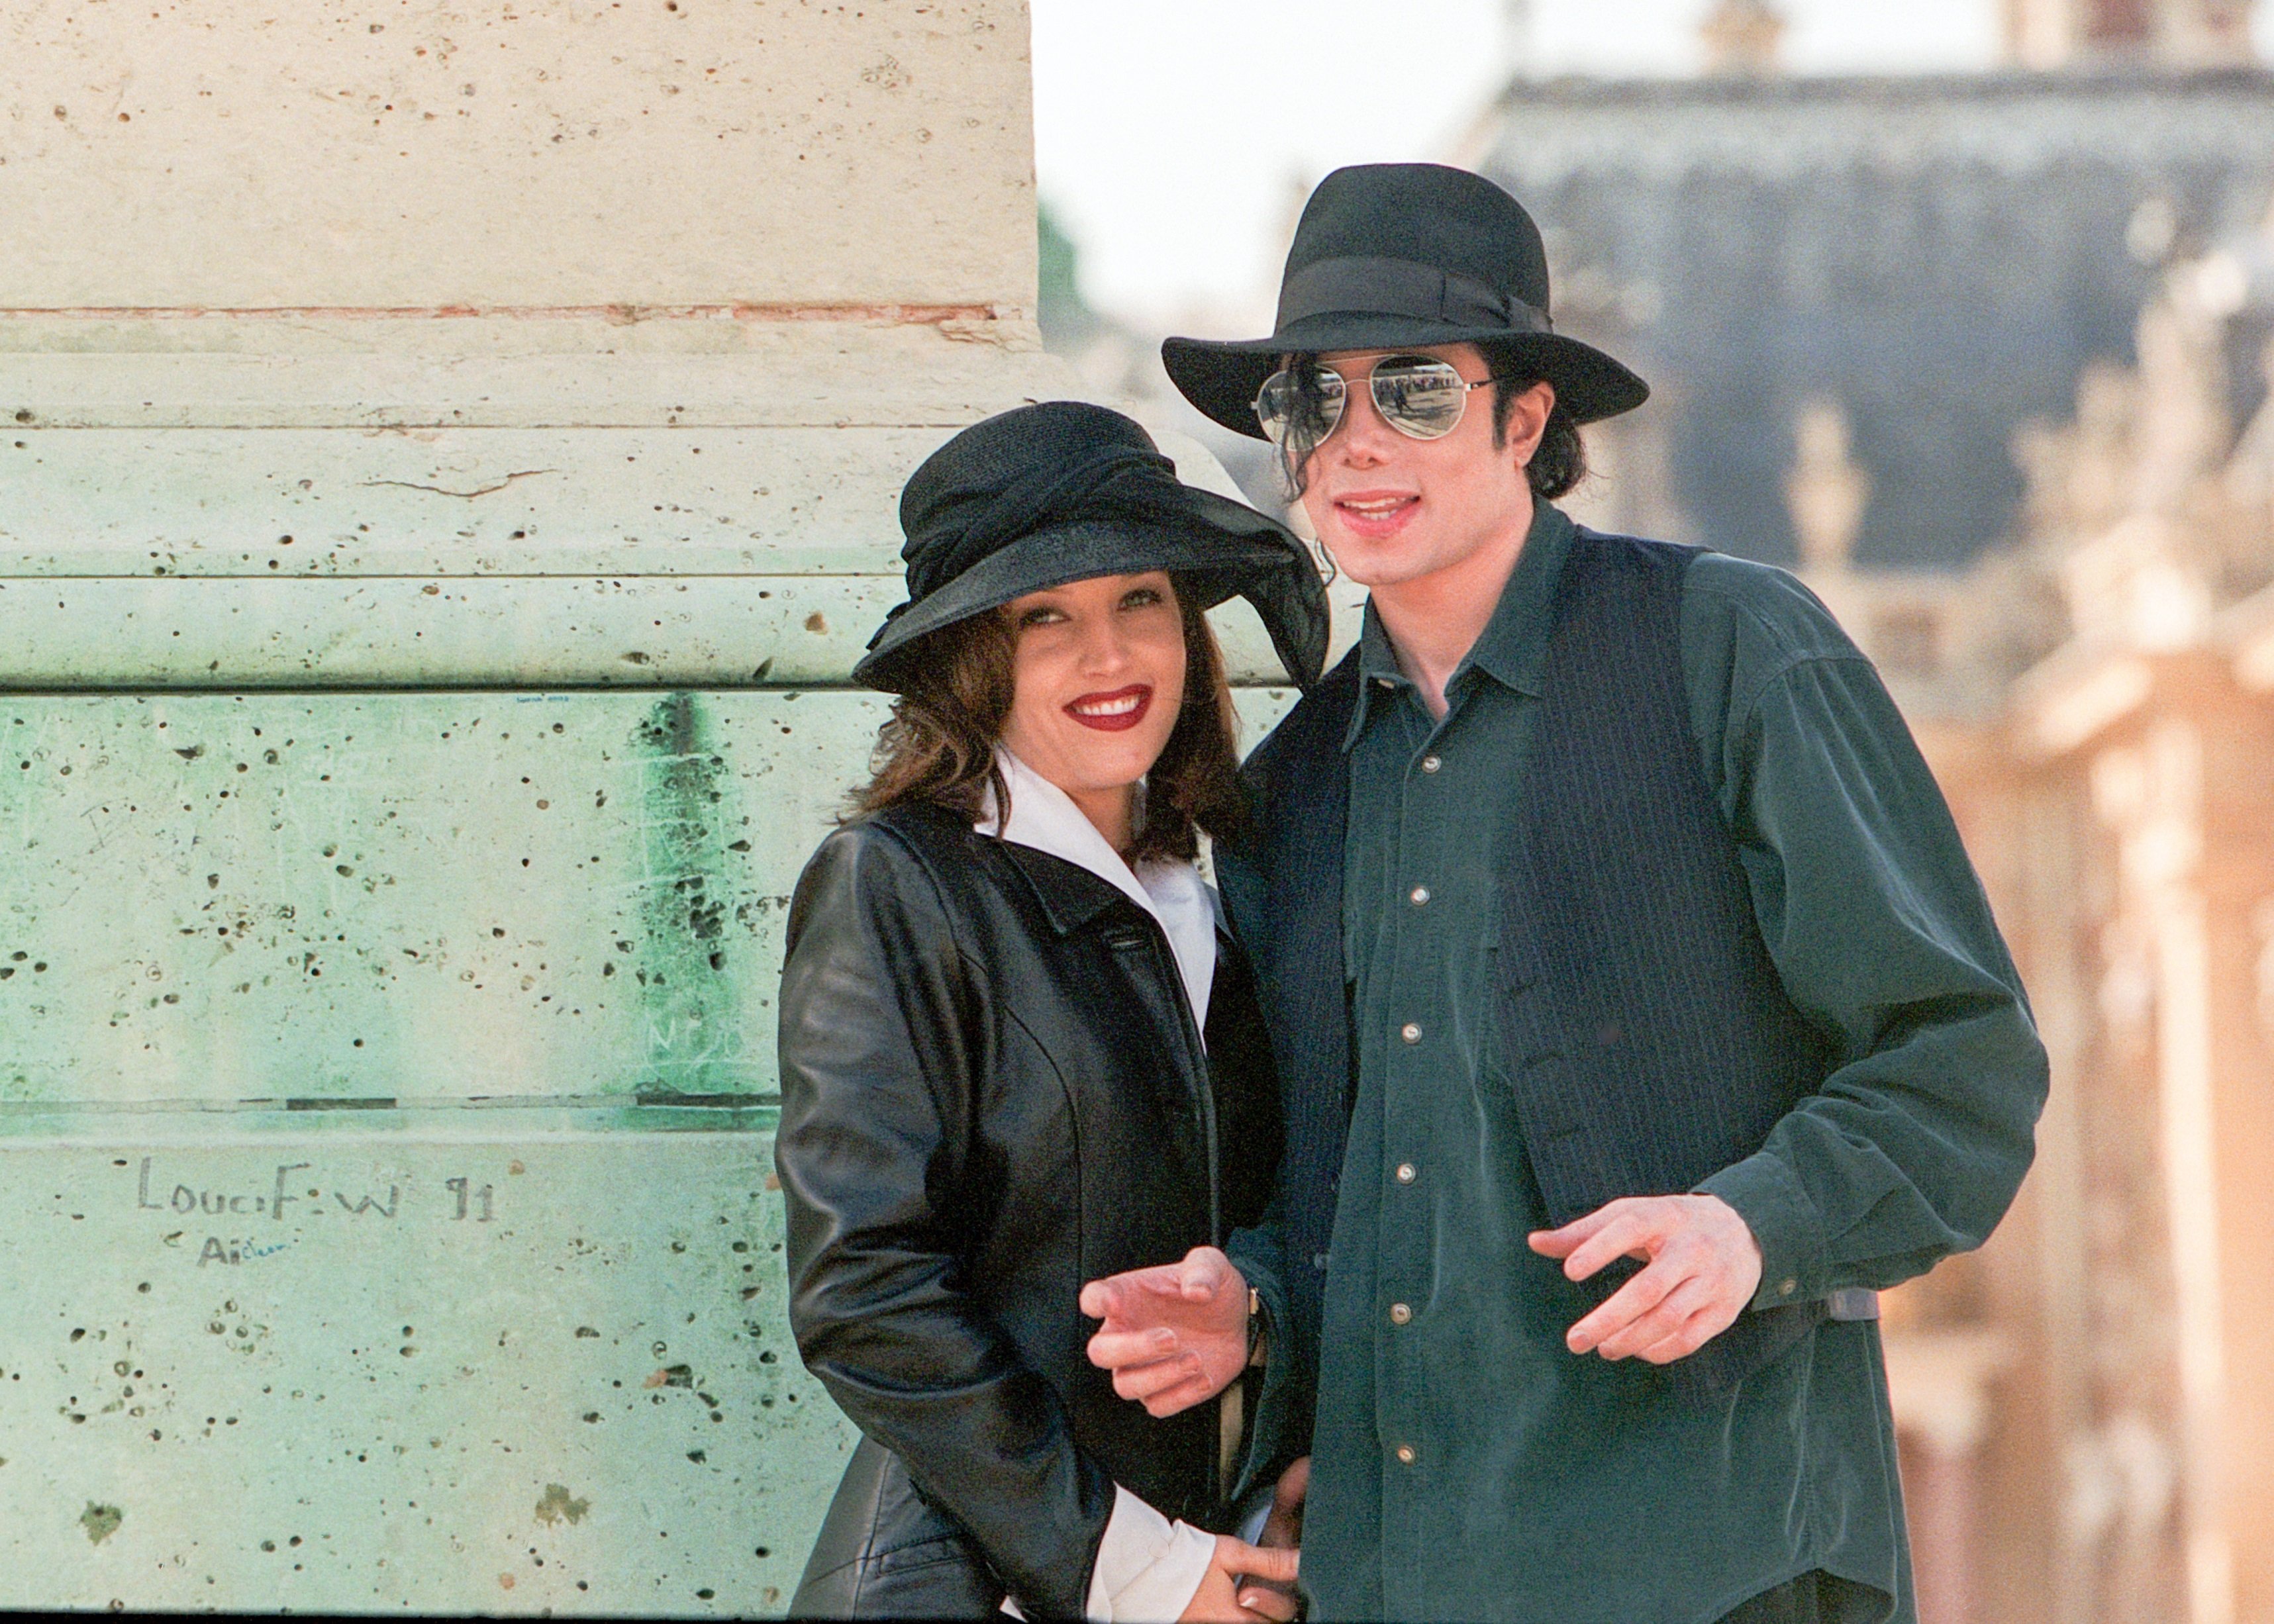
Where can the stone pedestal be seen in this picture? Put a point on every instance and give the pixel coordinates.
(448, 462)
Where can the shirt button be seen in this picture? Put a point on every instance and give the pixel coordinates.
(1420, 894)
(1383, 683)
(1400, 1314)
(1786, 1287)
(1406, 1454)
(1405, 1172)
(1430, 764)
(1409, 1032)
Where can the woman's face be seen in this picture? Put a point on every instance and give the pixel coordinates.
(1099, 672)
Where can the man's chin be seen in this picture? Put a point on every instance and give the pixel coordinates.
(1373, 566)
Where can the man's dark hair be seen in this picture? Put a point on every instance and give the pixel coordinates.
(1558, 463)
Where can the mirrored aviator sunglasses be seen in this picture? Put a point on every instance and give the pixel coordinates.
(1422, 398)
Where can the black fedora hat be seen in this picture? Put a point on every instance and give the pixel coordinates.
(1063, 491)
(1393, 256)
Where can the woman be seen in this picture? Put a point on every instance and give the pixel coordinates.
(1016, 1053)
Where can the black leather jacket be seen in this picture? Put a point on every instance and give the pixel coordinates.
(992, 1093)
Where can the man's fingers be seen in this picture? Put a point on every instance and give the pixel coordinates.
(1563, 1242)
(1718, 1311)
(1277, 1605)
(1134, 1293)
(1178, 1399)
(1204, 1271)
(1700, 1329)
(1629, 1303)
(1119, 1350)
(1294, 1484)
(1657, 1322)
(1272, 1566)
(1142, 1382)
(1631, 1234)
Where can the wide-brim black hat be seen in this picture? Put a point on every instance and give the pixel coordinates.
(1395, 255)
(1065, 491)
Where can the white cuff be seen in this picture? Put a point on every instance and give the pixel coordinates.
(1149, 1569)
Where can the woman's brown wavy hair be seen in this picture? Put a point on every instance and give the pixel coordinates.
(939, 744)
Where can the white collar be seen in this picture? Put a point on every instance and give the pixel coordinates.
(1044, 818)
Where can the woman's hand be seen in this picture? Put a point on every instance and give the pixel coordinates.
(1226, 1595)
(1175, 1334)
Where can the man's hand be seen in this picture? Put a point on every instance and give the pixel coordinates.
(1225, 1595)
(1175, 1334)
(1701, 1268)
(1283, 1530)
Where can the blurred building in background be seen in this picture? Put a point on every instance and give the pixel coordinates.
(1986, 358)
(1982, 356)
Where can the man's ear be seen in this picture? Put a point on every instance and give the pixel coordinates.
(1536, 419)
(1528, 421)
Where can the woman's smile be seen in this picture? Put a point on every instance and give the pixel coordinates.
(1115, 712)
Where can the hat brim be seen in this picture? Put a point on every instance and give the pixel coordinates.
(1221, 377)
(1222, 549)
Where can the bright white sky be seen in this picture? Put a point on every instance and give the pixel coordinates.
(1173, 136)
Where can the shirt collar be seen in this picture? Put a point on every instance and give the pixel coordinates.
(1044, 818)
(1514, 642)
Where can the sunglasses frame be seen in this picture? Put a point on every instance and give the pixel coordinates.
(1335, 420)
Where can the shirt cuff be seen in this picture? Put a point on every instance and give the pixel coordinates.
(1149, 1569)
(1785, 1224)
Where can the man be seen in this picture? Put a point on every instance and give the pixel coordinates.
(1606, 916)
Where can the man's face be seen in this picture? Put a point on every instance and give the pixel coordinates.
(1391, 508)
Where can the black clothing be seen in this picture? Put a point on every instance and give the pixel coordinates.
(991, 1093)
(1577, 1491)
(1065, 490)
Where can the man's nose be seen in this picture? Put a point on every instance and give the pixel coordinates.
(1363, 437)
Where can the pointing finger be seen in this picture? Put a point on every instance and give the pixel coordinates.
(1629, 1235)
(1134, 1293)
(1563, 1242)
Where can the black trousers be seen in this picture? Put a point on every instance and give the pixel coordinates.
(1812, 1598)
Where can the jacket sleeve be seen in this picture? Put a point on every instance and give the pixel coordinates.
(1918, 1138)
(1280, 1428)
(881, 1047)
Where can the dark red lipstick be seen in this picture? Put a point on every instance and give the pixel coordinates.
(1113, 712)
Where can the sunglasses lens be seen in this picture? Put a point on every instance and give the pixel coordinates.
(1288, 410)
(1418, 396)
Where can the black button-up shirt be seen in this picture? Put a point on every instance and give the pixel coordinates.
(1465, 1463)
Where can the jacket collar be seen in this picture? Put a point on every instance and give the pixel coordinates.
(1071, 896)
(1044, 817)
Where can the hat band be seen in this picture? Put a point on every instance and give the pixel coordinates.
(1360, 286)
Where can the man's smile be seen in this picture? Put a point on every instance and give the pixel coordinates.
(1115, 712)
(1370, 515)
